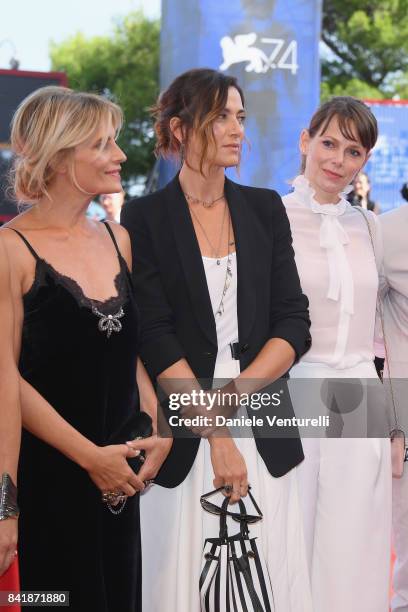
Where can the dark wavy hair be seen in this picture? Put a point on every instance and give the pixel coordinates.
(196, 97)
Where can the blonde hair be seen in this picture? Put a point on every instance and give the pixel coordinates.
(46, 128)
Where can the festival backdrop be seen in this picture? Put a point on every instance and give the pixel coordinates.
(271, 46)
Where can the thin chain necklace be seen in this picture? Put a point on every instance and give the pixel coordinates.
(228, 275)
(215, 252)
(228, 271)
(206, 204)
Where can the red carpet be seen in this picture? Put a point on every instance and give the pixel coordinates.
(9, 582)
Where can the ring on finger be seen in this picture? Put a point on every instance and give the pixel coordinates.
(228, 488)
(110, 497)
(148, 481)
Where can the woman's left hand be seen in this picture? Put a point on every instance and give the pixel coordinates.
(8, 543)
(156, 451)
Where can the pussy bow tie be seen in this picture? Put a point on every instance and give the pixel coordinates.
(333, 238)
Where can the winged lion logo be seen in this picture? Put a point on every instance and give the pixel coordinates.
(239, 50)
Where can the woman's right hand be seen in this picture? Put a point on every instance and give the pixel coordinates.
(229, 466)
(110, 471)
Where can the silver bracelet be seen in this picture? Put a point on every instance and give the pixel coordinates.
(8, 498)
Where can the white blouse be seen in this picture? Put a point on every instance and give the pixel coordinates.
(338, 273)
(227, 322)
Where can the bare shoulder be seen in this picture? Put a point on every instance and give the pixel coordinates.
(12, 276)
(123, 240)
(4, 259)
(19, 260)
(10, 240)
(22, 221)
(10, 266)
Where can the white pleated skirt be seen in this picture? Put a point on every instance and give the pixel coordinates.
(174, 528)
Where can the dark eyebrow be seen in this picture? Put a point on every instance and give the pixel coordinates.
(238, 112)
(356, 142)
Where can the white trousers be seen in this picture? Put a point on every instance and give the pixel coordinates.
(345, 495)
(399, 602)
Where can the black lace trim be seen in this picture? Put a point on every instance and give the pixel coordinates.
(109, 306)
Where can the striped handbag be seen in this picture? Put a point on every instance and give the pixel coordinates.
(234, 576)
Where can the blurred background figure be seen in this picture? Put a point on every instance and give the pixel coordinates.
(360, 196)
(112, 204)
(404, 191)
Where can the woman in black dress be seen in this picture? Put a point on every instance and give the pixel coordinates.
(77, 339)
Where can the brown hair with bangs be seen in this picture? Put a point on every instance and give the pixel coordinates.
(196, 97)
(354, 117)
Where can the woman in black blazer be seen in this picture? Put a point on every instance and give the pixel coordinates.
(219, 297)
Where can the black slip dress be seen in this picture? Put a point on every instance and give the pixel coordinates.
(68, 539)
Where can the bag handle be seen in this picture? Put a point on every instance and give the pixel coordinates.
(223, 509)
(397, 430)
(243, 525)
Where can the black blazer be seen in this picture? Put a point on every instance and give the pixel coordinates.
(175, 308)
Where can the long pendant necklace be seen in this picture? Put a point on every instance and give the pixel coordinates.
(228, 275)
(214, 252)
(228, 271)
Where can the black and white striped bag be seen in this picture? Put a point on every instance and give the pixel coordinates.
(234, 576)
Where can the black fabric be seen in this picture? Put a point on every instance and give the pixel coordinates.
(68, 539)
(175, 307)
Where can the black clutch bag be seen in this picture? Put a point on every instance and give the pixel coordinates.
(140, 427)
(143, 429)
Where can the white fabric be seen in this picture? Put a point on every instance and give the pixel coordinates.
(174, 527)
(227, 323)
(345, 495)
(394, 294)
(394, 291)
(329, 241)
(345, 484)
(399, 601)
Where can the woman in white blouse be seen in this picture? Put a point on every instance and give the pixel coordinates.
(345, 483)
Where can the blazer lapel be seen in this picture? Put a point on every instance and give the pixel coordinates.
(243, 232)
(190, 257)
